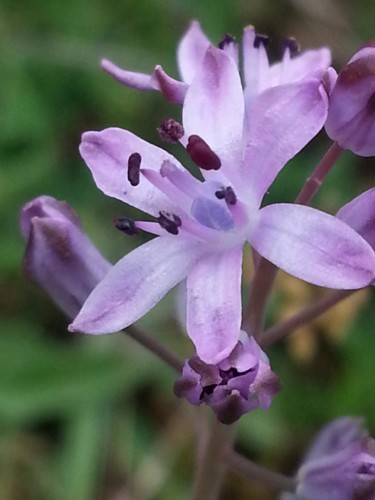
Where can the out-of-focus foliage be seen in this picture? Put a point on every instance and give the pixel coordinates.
(88, 418)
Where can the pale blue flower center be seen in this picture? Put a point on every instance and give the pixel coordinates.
(212, 213)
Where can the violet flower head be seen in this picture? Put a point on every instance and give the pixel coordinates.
(258, 73)
(202, 225)
(351, 116)
(340, 465)
(59, 256)
(236, 385)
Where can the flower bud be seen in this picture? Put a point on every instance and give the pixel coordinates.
(59, 256)
(340, 464)
(351, 114)
(238, 384)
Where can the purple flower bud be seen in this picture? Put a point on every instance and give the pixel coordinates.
(351, 115)
(240, 383)
(59, 256)
(340, 464)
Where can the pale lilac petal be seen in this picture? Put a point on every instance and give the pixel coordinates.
(173, 90)
(214, 305)
(136, 284)
(314, 246)
(106, 153)
(214, 108)
(283, 120)
(360, 215)
(308, 64)
(138, 81)
(255, 68)
(191, 51)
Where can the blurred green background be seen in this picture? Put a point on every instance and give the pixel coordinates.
(89, 418)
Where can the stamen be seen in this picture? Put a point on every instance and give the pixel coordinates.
(227, 194)
(261, 40)
(169, 222)
(126, 225)
(201, 154)
(170, 130)
(291, 44)
(134, 166)
(226, 40)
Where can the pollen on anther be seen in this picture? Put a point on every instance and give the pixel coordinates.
(201, 153)
(261, 40)
(126, 225)
(291, 44)
(134, 167)
(170, 130)
(169, 222)
(226, 40)
(227, 194)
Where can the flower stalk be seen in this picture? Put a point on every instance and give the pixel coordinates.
(211, 466)
(315, 180)
(281, 330)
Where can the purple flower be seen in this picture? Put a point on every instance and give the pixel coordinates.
(236, 385)
(59, 256)
(257, 72)
(340, 465)
(203, 225)
(360, 215)
(351, 116)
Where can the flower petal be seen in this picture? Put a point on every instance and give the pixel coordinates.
(107, 152)
(360, 215)
(308, 64)
(191, 51)
(136, 284)
(138, 81)
(314, 246)
(214, 305)
(214, 107)
(283, 120)
(173, 90)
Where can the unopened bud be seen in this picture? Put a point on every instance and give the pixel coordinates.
(59, 256)
(351, 114)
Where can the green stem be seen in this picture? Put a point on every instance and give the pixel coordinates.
(315, 180)
(210, 466)
(249, 469)
(281, 330)
(254, 316)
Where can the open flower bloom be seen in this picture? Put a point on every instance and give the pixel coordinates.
(59, 256)
(238, 384)
(351, 116)
(258, 74)
(203, 225)
(340, 464)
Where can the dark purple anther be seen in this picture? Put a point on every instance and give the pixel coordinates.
(134, 167)
(201, 154)
(291, 44)
(169, 222)
(227, 194)
(126, 225)
(261, 39)
(225, 41)
(170, 130)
